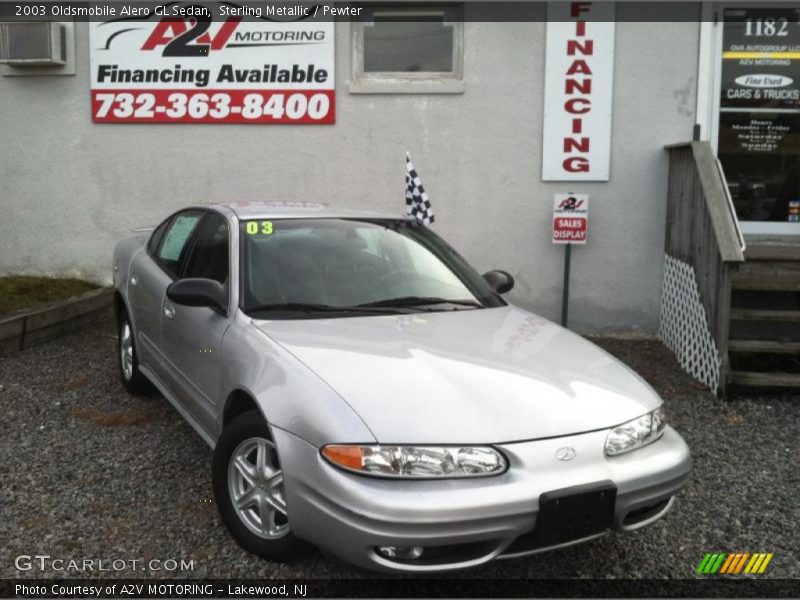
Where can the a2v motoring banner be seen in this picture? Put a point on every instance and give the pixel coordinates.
(212, 66)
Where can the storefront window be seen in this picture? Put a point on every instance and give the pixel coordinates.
(759, 125)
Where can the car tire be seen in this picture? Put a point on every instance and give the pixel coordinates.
(132, 379)
(248, 499)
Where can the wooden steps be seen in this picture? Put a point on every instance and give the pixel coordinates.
(764, 333)
(748, 284)
(766, 284)
(752, 379)
(747, 314)
(768, 276)
(765, 346)
(772, 248)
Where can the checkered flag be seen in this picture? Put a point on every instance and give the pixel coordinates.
(418, 204)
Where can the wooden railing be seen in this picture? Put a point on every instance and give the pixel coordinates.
(703, 231)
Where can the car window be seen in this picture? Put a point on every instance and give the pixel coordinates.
(208, 257)
(155, 237)
(339, 262)
(174, 242)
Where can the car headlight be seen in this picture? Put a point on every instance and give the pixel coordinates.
(636, 433)
(417, 462)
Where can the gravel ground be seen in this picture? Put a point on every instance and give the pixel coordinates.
(87, 471)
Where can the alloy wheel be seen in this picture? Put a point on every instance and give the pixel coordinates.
(126, 350)
(255, 485)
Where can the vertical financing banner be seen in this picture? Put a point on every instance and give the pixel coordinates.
(212, 66)
(579, 83)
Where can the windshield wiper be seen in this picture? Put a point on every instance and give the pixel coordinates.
(418, 301)
(310, 307)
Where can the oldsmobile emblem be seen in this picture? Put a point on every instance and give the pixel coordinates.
(565, 453)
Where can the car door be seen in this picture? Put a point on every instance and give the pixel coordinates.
(149, 275)
(192, 335)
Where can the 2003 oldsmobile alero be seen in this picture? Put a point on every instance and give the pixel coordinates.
(365, 390)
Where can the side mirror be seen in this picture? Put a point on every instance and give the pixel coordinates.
(500, 281)
(199, 292)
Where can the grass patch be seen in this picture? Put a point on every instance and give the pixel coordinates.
(18, 292)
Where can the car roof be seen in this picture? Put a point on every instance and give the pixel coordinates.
(292, 209)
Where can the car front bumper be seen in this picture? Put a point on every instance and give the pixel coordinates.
(465, 522)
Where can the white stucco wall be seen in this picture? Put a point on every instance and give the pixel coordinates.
(70, 189)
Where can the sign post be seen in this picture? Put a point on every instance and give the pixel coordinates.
(565, 294)
(570, 226)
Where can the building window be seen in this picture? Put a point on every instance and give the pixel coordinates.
(408, 49)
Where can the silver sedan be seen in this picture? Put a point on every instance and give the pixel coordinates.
(365, 390)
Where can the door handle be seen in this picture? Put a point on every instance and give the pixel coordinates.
(134, 279)
(169, 312)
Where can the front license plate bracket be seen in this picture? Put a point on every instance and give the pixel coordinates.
(574, 513)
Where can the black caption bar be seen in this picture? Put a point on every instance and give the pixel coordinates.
(707, 587)
(289, 11)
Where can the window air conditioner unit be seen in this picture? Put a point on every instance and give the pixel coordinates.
(42, 43)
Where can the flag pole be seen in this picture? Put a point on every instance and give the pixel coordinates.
(565, 296)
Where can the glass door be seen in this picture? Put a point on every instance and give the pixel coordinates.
(758, 117)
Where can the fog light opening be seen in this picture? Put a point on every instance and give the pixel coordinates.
(401, 552)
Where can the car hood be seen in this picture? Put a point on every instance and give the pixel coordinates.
(470, 376)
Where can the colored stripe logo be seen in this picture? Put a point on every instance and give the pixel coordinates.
(734, 563)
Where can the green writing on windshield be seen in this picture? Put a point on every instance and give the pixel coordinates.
(258, 227)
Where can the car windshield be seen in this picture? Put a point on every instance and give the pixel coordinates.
(293, 268)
